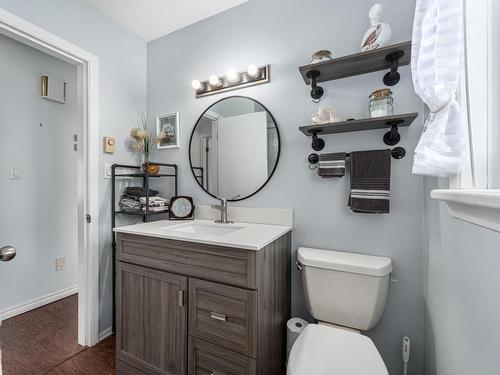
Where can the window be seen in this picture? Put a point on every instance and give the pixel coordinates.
(474, 195)
(481, 102)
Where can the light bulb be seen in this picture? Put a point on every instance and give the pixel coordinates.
(232, 76)
(253, 70)
(214, 80)
(196, 84)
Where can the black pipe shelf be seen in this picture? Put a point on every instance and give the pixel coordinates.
(359, 125)
(358, 63)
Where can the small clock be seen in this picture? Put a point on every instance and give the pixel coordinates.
(181, 208)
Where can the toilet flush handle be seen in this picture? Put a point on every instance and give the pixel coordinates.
(299, 266)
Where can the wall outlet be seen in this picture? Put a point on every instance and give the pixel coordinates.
(60, 264)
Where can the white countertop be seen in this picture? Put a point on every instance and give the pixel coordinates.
(248, 236)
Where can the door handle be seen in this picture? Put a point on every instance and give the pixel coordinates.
(7, 253)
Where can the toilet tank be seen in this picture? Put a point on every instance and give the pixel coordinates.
(343, 288)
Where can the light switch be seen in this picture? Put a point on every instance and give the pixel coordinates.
(16, 172)
(109, 145)
(107, 170)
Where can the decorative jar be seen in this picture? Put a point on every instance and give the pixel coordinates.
(381, 103)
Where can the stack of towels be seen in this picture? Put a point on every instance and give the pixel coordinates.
(134, 199)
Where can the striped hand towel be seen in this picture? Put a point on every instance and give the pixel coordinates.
(370, 181)
(332, 164)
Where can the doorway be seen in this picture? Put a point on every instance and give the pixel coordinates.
(85, 142)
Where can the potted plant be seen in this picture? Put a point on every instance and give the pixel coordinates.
(143, 142)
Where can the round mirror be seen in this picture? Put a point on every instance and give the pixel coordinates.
(234, 148)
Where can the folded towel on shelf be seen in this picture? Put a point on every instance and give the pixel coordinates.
(154, 201)
(332, 164)
(130, 204)
(137, 191)
(132, 197)
(370, 181)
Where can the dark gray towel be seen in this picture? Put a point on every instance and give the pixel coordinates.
(332, 164)
(137, 191)
(370, 181)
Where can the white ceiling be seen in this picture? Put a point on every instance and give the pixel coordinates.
(151, 19)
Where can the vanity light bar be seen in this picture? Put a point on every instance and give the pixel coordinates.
(232, 81)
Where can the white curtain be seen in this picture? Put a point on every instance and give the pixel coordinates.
(437, 49)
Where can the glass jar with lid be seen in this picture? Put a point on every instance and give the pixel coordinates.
(381, 103)
(320, 56)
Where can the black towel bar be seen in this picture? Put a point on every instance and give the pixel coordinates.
(396, 153)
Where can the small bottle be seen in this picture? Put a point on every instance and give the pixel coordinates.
(381, 103)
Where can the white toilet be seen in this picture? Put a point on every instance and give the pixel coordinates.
(346, 293)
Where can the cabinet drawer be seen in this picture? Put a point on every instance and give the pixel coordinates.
(209, 359)
(221, 264)
(223, 315)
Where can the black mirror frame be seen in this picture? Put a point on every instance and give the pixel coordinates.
(277, 156)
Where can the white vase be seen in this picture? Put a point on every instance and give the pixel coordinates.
(379, 33)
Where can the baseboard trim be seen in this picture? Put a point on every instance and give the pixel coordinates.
(36, 303)
(105, 333)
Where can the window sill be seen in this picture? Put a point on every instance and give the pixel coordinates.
(480, 207)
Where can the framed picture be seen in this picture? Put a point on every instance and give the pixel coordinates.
(170, 124)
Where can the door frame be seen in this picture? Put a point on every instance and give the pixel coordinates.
(88, 161)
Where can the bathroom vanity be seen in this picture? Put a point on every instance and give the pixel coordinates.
(202, 298)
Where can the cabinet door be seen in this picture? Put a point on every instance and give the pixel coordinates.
(151, 320)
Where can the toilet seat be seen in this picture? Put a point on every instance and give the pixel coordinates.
(325, 350)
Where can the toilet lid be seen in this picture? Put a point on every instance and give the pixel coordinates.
(324, 350)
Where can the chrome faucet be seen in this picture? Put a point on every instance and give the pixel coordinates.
(222, 207)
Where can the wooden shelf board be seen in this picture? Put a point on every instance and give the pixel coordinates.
(358, 63)
(360, 125)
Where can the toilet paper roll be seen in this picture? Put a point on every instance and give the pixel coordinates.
(294, 326)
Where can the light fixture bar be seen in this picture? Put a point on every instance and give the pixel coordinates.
(226, 83)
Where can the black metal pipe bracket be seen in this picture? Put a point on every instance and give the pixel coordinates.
(317, 144)
(316, 91)
(398, 153)
(393, 77)
(392, 137)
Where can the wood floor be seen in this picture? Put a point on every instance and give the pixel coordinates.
(44, 341)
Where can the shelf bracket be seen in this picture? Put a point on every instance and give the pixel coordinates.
(393, 77)
(317, 144)
(316, 91)
(392, 137)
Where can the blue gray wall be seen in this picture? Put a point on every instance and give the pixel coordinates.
(462, 293)
(284, 33)
(122, 73)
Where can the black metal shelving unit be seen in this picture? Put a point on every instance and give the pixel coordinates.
(146, 215)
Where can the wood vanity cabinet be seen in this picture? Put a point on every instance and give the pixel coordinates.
(198, 309)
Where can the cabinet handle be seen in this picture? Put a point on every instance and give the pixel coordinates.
(217, 316)
(181, 298)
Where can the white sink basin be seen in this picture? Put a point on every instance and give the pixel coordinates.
(249, 236)
(202, 228)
